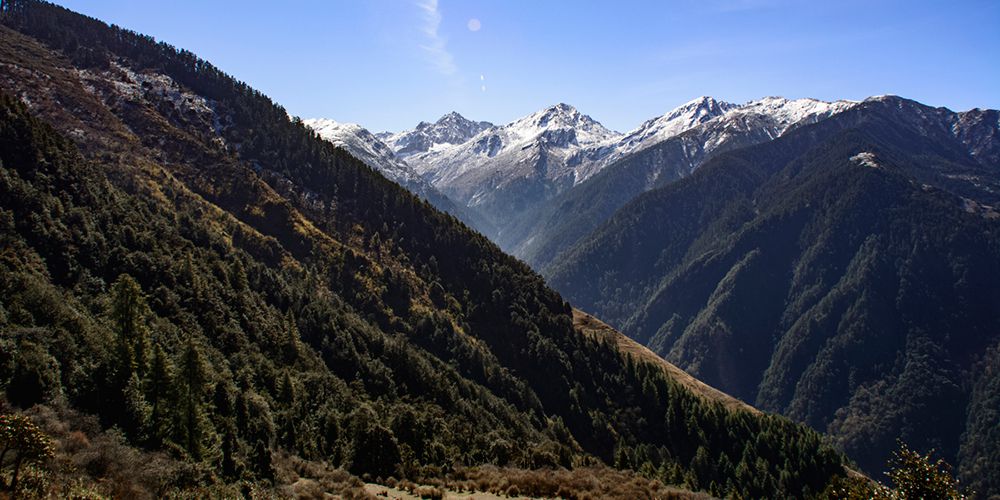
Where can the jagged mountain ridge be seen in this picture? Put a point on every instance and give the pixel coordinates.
(547, 136)
(368, 148)
(661, 128)
(562, 221)
(449, 130)
(508, 172)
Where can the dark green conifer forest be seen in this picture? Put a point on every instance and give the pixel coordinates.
(234, 303)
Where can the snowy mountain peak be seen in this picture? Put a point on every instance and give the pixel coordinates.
(701, 105)
(557, 120)
(453, 117)
(561, 114)
(679, 120)
(884, 97)
(541, 149)
(449, 130)
(339, 133)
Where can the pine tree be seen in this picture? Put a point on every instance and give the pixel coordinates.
(238, 276)
(138, 412)
(161, 394)
(262, 462)
(290, 348)
(129, 312)
(229, 447)
(193, 424)
(286, 396)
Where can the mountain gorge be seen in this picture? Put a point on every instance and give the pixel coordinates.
(203, 297)
(843, 274)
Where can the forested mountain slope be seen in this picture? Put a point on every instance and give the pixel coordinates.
(844, 275)
(187, 263)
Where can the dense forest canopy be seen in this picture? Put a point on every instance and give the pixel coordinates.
(229, 293)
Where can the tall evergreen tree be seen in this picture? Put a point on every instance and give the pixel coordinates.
(161, 394)
(129, 312)
(193, 425)
(138, 412)
(263, 464)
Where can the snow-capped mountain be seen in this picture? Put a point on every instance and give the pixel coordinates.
(505, 169)
(679, 120)
(549, 136)
(657, 153)
(368, 148)
(756, 121)
(450, 130)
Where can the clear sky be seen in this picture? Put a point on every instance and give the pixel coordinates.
(388, 64)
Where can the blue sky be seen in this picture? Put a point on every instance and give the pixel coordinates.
(388, 64)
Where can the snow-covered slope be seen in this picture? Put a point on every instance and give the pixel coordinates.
(705, 126)
(772, 116)
(368, 148)
(549, 136)
(363, 144)
(679, 120)
(450, 130)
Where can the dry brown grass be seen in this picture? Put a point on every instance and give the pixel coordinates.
(579, 483)
(597, 329)
(91, 463)
(306, 479)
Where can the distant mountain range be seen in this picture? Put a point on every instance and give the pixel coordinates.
(520, 176)
(451, 129)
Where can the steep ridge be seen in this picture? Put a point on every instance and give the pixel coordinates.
(365, 146)
(597, 329)
(305, 302)
(843, 274)
(677, 121)
(562, 221)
